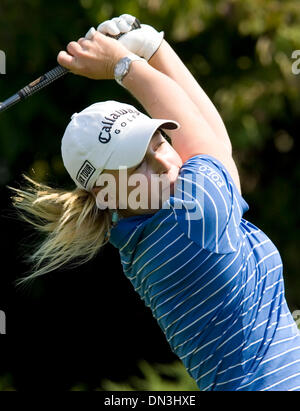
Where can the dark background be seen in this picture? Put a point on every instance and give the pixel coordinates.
(82, 325)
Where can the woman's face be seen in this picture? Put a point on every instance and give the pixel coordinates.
(141, 189)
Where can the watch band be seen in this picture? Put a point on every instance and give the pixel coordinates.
(123, 66)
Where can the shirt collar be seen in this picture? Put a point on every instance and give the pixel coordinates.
(127, 232)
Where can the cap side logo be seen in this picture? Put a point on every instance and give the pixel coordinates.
(85, 173)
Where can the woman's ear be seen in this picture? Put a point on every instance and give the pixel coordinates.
(95, 190)
(105, 192)
(102, 199)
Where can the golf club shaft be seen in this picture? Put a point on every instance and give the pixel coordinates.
(45, 80)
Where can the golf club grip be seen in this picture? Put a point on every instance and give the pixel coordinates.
(42, 81)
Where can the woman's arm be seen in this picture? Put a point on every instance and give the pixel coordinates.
(148, 43)
(162, 97)
(159, 94)
(168, 62)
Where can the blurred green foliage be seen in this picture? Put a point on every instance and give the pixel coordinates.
(6, 383)
(155, 377)
(240, 51)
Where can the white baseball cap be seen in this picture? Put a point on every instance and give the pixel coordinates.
(107, 135)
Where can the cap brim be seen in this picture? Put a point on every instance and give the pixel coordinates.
(131, 151)
(169, 125)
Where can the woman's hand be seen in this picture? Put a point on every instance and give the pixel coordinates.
(144, 41)
(94, 58)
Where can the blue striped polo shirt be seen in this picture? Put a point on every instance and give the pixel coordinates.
(214, 283)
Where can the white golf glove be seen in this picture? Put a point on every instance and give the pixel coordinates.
(144, 41)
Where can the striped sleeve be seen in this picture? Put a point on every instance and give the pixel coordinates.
(207, 205)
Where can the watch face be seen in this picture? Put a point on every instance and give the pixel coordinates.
(121, 68)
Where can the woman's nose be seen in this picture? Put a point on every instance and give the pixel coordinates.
(160, 163)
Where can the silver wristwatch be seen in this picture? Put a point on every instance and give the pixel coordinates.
(122, 67)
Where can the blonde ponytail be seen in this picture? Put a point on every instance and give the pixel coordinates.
(74, 228)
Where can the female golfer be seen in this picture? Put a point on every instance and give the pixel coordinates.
(212, 280)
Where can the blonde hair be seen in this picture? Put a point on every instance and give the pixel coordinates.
(73, 227)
